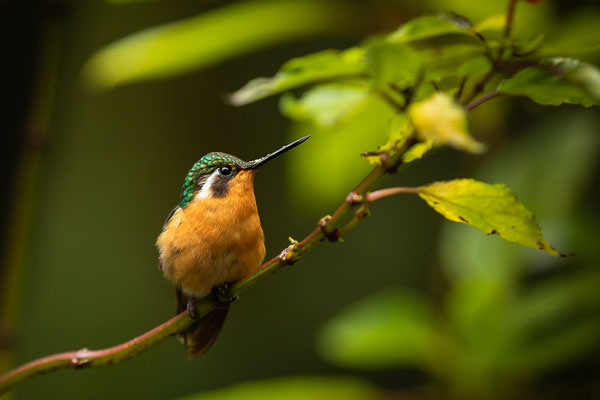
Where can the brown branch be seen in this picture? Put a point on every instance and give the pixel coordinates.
(85, 358)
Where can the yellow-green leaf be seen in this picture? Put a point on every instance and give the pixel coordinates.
(213, 37)
(300, 71)
(417, 151)
(393, 64)
(427, 27)
(494, 209)
(439, 119)
(494, 23)
(398, 129)
(325, 105)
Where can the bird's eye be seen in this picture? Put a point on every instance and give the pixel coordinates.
(225, 170)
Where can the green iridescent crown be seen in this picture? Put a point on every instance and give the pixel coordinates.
(202, 169)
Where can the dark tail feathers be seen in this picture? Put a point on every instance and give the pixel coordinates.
(202, 334)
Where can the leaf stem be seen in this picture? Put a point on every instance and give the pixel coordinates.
(371, 197)
(479, 86)
(482, 100)
(363, 211)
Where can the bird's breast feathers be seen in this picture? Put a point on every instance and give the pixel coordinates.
(213, 240)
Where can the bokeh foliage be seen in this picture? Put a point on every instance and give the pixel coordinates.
(505, 317)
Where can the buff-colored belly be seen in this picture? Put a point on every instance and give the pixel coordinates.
(210, 242)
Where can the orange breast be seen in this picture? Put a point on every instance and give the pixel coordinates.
(213, 240)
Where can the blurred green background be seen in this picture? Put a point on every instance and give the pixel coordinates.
(410, 305)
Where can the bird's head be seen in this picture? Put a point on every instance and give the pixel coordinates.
(215, 172)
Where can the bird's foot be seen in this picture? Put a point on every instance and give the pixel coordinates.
(191, 308)
(221, 294)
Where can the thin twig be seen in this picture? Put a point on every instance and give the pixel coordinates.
(95, 358)
(371, 197)
(363, 211)
(482, 100)
(479, 86)
(510, 17)
(497, 62)
(461, 87)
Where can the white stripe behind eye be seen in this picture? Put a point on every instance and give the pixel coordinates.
(206, 188)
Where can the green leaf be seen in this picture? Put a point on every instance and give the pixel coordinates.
(557, 81)
(213, 37)
(295, 388)
(586, 76)
(325, 105)
(442, 121)
(393, 64)
(531, 165)
(528, 20)
(417, 151)
(398, 129)
(428, 27)
(390, 329)
(300, 71)
(493, 209)
(474, 67)
(453, 61)
(522, 47)
(434, 45)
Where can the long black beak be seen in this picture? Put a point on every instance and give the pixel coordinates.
(258, 162)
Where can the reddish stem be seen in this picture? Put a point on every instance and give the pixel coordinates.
(482, 100)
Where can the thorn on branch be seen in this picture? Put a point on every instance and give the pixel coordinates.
(354, 198)
(372, 153)
(81, 359)
(384, 157)
(331, 236)
(363, 211)
(288, 255)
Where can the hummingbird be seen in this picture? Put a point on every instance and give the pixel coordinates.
(212, 237)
